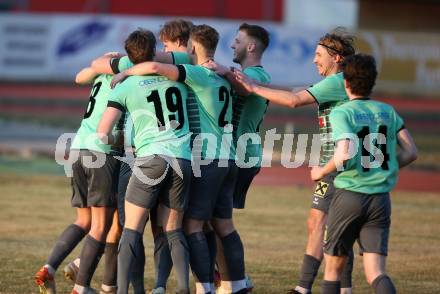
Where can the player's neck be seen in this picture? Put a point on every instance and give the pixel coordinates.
(250, 61)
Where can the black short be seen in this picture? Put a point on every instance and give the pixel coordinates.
(324, 190)
(364, 217)
(245, 177)
(94, 186)
(211, 194)
(155, 180)
(124, 177)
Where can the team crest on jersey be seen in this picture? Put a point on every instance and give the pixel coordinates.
(321, 189)
(322, 122)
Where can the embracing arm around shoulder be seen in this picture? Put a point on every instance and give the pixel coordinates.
(86, 76)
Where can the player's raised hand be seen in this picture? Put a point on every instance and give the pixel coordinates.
(247, 83)
(117, 78)
(217, 67)
(316, 173)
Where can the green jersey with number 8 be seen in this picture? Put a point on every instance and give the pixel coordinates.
(86, 137)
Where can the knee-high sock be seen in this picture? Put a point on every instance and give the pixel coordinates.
(128, 252)
(199, 256)
(111, 264)
(67, 241)
(234, 256)
(383, 285)
(90, 255)
(162, 260)
(180, 256)
(137, 274)
(211, 239)
(309, 270)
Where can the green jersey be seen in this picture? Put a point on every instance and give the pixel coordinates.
(328, 93)
(213, 95)
(86, 137)
(248, 114)
(375, 125)
(120, 64)
(157, 107)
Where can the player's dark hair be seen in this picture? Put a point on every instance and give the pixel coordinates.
(140, 46)
(205, 35)
(256, 32)
(338, 42)
(176, 30)
(360, 73)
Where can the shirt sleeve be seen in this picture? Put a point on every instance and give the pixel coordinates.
(341, 128)
(120, 64)
(330, 89)
(117, 96)
(192, 75)
(181, 58)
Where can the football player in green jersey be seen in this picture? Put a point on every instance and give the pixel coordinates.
(248, 112)
(162, 169)
(331, 50)
(211, 194)
(361, 207)
(94, 201)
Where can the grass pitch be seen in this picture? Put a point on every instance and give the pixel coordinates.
(35, 209)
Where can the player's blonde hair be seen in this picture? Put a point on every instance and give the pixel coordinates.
(338, 42)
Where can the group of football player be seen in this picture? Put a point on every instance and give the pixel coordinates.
(166, 137)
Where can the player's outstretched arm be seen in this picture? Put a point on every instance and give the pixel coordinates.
(282, 97)
(86, 76)
(408, 149)
(108, 120)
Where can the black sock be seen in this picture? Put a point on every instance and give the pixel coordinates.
(162, 260)
(137, 273)
(383, 285)
(331, 287)
(347, 271)
(128, 253)
(234, 256)
(211, 239)
(309, 270)
(199, 256)
(90, 255)
(111, 264)
(180, 256)
(67, 241)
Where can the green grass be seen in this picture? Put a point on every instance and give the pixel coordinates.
(34, 209)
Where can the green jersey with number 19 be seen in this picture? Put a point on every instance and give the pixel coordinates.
(374, 125)
(157, 107)
(86, 137)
